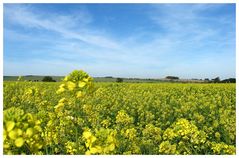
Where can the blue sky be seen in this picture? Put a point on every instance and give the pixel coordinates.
(126, 40)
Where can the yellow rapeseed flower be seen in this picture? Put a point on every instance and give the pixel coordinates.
(19, 142)
(81, 84)
(87, 134)
(10, 125)
(71, 85)
(79, 94)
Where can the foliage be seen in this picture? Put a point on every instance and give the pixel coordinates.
(172, 77)
(76, 116)
(48, 79)
(216, 80)
(229, 80)
(119, 79)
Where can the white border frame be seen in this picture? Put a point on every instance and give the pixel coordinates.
(119, 1)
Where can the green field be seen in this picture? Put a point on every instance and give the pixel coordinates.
(34, 78)
(31, 78)
(78, 116)
(96, 79)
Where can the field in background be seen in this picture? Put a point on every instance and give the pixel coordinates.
(104, 79)
(79, 117)
(31, 78)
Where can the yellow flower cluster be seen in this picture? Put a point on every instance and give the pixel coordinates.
(21, 131)
(104, 143)
(70, 148)
(77, 81)
(166, 148)
(123, 118)
(222, 148)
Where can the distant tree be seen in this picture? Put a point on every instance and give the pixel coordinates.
(48, 79)
(230, 80)
(206, 79)
(119, 79)
(172, 77)
(216, 80)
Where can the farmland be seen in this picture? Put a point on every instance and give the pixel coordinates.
(35, 78)
(79, 116)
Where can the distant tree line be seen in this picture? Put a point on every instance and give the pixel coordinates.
(34, 80)
(214, 80)
(217, 80)
(172, 78)
(229, 80)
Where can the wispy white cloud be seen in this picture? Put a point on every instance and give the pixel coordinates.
(189, 20)
(62, 24)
